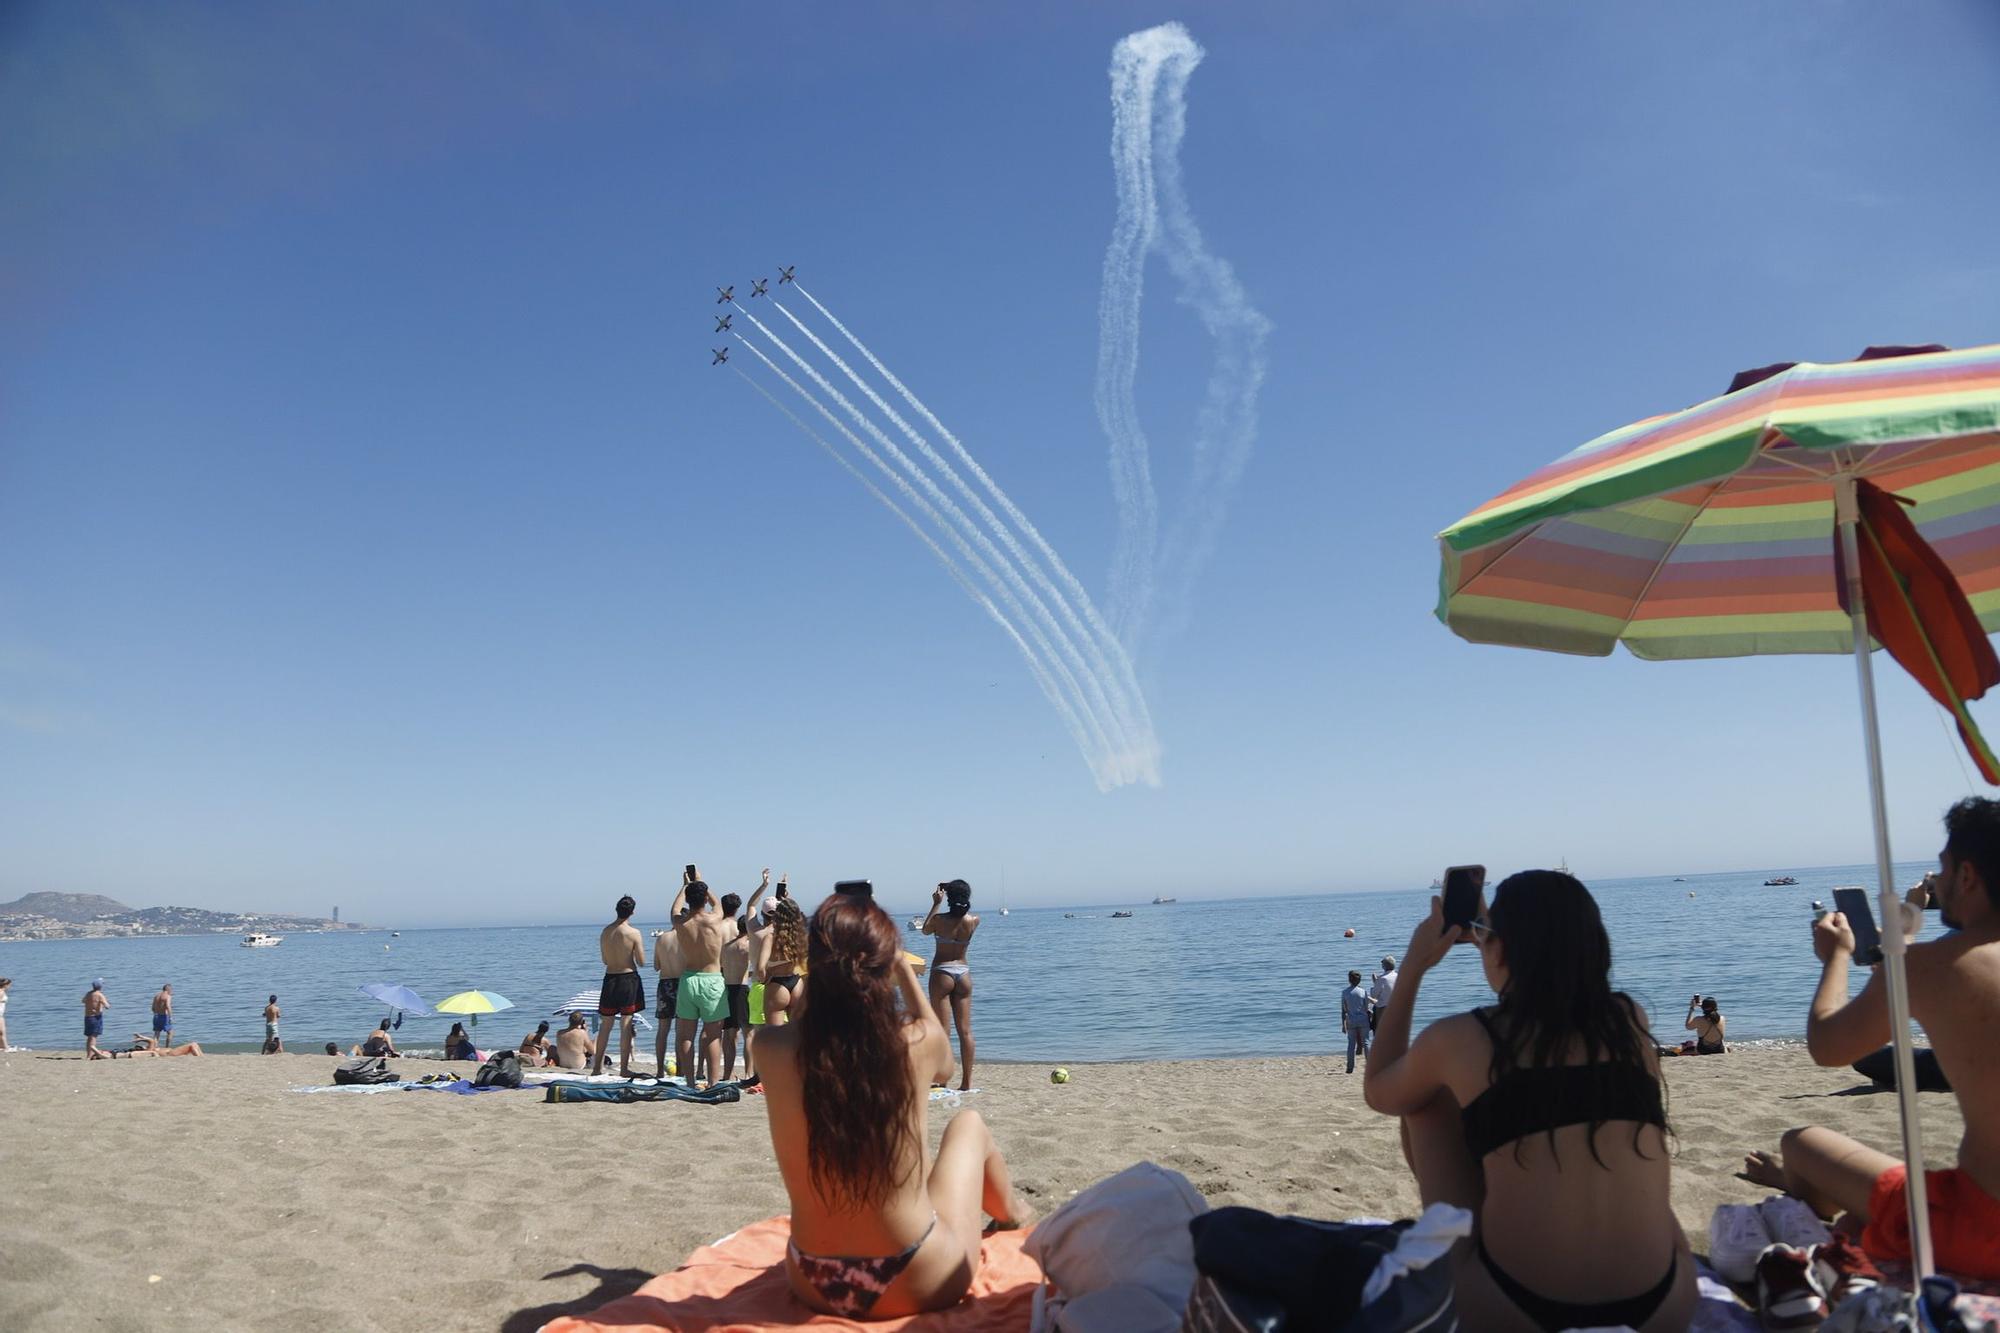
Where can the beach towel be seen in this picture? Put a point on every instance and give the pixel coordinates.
(625, 1093)
(737, 1285)
(1294, 1273)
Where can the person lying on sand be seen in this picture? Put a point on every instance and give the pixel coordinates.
(146, 1046)
(1560, 1146)
(1954, 984)
(874, 1234)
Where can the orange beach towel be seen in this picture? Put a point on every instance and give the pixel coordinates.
(738, 1286)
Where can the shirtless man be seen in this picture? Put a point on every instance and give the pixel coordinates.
(573, 1046)
(623, 993)
(667, 985)
(163, 1016)
(951, 975)
(94, 1005)
(1955, 994)
(273, 1043)
(735, 985)
(704, 999)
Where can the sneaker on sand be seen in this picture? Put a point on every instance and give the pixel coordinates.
(1841, 1270)
(1791, 1222)
(1788, 1295)
(1737, 1234)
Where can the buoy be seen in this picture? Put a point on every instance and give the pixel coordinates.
(1349, 932)
(1058, 1076)
(1690, 893)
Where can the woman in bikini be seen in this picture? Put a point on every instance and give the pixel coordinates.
(781, 973)
(875, 1232)
(1708, 1026)
(1543, 1115)
(951, 975)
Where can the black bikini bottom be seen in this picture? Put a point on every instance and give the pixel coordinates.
(1555, 1316)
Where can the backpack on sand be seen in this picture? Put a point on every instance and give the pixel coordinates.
(502, 1070)
(372, 1070)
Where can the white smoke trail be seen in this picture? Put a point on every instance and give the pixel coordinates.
(1101, 665)
(1149, 77)
(1041, 674)
(1127, 695)
(1108, 760)
(1138, 761)
(1226, 426)
(1134, 70)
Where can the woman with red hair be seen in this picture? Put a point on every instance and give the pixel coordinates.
(875, 1234)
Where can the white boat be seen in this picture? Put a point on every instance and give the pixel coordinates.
(259, 940)
(1562, 866)
(1158, 901)
(1003, 911)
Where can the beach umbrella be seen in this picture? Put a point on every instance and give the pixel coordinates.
(585, 1001)
(474, 1003)
(399, 998)
(1764, 521)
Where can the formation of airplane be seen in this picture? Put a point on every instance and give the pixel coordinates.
(721, 355)
(785, 274)
(728, 294)
(722, 323)
(757, 286)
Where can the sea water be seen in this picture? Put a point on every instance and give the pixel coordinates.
(1193, 979)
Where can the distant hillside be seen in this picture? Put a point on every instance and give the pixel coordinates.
(64, 906)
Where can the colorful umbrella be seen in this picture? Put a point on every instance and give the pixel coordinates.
(1712, 532)
(400, 998)
(475, 1003)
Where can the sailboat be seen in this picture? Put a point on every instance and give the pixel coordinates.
(1003, 890)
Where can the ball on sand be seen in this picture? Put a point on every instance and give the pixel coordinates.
(1058, 1076)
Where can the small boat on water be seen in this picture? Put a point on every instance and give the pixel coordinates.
(1778, 881)
(916, 923)
(1069, 916)
(1158, 901)
(1119, 916)
(259, 940)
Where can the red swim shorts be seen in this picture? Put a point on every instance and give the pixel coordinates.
(1965, 1222)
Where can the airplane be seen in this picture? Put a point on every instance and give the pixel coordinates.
(721, 355)
(722, 323)
(785, 274)
(757, 286)
(728, 294)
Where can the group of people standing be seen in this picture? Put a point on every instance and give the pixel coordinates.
(1361, 1010)
(723, 967)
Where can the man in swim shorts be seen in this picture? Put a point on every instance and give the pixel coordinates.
(704, 998)
(736, 985)
(1955, 994)
(667, 985)
(94, 1005)
(163, 1016)
(623, 992)
(273, 1043)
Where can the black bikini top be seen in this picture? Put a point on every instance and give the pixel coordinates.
(1533, 1101)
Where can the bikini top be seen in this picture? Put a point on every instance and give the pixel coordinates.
(1533, 1101)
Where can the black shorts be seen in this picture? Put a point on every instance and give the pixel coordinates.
(669, 995)
(739, 1006)
(622, 993)
(1374, 1019)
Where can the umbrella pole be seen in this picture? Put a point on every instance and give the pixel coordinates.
(1894, 976)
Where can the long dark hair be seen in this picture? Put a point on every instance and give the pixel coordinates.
(1559, 990)
(854, 1059)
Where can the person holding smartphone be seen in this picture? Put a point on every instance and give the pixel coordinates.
(1542, 1114)
(951, 975)
(1954, 985)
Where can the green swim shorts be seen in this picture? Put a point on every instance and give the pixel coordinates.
(702, 996)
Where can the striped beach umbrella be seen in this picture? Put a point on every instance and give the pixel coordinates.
(1764, 521)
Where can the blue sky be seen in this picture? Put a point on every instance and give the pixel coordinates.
(373, 529)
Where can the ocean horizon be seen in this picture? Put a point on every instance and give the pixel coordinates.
(1196, 978)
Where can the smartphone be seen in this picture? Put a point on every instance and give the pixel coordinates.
(691, 873)
(1461, 894)
(1853, 904)
(859, 888)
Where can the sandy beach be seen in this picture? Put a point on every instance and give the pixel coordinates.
(254, 1206)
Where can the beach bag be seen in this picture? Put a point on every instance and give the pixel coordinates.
(372, 1070)
(1264, 1274)
(502, 1070)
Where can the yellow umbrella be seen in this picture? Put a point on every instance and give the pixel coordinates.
(473, 1003)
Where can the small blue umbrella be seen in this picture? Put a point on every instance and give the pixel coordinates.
(399, 998)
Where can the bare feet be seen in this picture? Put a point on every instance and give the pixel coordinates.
(1764, 1168)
